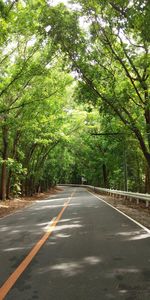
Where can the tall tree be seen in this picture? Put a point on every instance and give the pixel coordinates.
(111, 57)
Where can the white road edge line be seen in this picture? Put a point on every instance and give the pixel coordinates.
(139, 224)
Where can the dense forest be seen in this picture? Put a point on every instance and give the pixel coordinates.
(74, 94)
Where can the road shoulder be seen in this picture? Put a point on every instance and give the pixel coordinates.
(137, 212)
(10, 206)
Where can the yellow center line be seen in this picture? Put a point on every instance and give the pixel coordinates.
(9, 283)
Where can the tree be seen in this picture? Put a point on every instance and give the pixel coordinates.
(32, 91)
(112, 59)
(71, 96)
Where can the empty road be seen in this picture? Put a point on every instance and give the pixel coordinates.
(73, 246)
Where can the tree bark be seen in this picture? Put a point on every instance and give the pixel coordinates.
(8, 188)
(10, 173)
(105, 176)
(4, 164)
(147, 180)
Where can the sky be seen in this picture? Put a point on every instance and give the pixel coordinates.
(82, 20)
(55, 2)
(66, 2)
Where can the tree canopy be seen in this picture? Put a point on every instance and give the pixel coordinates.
(74, 95)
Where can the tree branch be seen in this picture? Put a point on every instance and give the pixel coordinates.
(27, 103)
(123, 65)
(18, 75)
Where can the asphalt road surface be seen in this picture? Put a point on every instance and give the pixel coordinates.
(89, 251)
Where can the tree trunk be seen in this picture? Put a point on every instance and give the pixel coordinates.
(14, 156)
(8, 188)
(4, 166)
(147, 180)
(105, 176)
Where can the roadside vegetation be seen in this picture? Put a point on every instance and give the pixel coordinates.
(74, 95)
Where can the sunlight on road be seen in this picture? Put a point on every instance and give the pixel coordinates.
(62, 227)
(134, 235)
(72, 268)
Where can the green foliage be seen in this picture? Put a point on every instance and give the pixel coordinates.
(65, 91)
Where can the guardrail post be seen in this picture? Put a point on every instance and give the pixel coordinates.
(147, 203)
(120, 194)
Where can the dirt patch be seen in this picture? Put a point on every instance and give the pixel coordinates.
(136, 211)
(9, 206)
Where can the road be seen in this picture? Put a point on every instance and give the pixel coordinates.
(73, 246)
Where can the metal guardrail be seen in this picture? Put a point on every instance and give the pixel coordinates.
(124, 194)
(117, 193)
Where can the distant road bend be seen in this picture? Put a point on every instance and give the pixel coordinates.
(73, 246)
